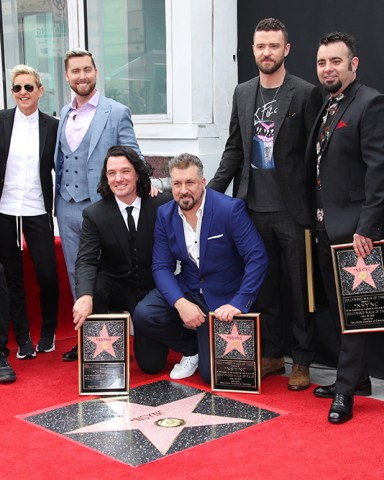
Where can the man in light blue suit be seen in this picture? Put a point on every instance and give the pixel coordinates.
(222, 266)
(88, 127)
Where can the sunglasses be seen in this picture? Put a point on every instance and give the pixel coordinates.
(28, 88)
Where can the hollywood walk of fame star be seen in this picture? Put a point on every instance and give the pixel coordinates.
(234, 340)
(104, 342)
(362, 273)
(161, 425)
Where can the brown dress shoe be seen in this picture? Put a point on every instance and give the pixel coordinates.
(272, 366)
(299, 379)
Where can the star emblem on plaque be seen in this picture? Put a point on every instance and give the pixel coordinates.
(360, 288)
(104, 342)
(234, 340)
(362, 272)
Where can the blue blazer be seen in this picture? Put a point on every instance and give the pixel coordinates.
(233, 258)
(111, 125)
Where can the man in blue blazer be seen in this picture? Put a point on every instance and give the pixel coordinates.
(222, 266)
(88, 126)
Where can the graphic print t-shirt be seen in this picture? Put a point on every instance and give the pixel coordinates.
(264, 191)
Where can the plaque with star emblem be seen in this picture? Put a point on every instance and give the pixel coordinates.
(104, 355)
(235, 353)
(360, 288)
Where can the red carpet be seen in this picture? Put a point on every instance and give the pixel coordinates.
(297, 446)
(300, 445)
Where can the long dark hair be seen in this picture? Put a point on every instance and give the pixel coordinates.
(142, 168)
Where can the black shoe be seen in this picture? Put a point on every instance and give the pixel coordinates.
(363, 389)
(7, 374)
(46, 344)
(341, 409)
(26, 351)
(70, 356)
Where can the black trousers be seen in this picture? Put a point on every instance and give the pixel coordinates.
(4, 304)
(284, 239)
(352, 365)
(115, 294)
(39, 236)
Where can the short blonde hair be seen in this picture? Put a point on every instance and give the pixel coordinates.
(25, 70)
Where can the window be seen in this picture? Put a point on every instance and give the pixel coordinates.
(35, 32)
(127, 40)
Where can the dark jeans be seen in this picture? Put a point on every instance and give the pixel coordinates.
(284, 239)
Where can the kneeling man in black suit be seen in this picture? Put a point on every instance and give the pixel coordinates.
(113, 266)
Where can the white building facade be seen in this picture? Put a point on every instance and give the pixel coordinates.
(173, 62)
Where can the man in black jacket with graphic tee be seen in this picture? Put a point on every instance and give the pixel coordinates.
(272, 116)
(345, 158)
(113, 267)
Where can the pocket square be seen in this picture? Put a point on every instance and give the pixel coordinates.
(215, 236)
(341, 124)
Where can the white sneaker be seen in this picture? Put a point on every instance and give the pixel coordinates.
(186, 367)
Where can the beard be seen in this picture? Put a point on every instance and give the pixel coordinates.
(187, 202)
(333, 88)
(272, 68)
(85, 89)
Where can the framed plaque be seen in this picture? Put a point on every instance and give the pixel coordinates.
(104, 355)
(360, 288)
(235, 353)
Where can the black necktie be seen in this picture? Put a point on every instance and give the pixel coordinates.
(131, 221)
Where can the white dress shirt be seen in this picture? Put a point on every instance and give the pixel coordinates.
(22, 194)
(135, 212)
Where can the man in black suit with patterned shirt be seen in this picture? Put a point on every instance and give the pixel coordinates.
(345, 158)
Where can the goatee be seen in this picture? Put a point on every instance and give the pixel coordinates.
(332, 88)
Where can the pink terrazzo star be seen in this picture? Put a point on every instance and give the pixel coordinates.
(161, 425)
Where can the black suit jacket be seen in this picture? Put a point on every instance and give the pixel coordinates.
(104, 244)
(299, 103)
(47, 138)
(352, 167)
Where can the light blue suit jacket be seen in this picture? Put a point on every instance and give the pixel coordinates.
(233, 258)
(111, 125)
